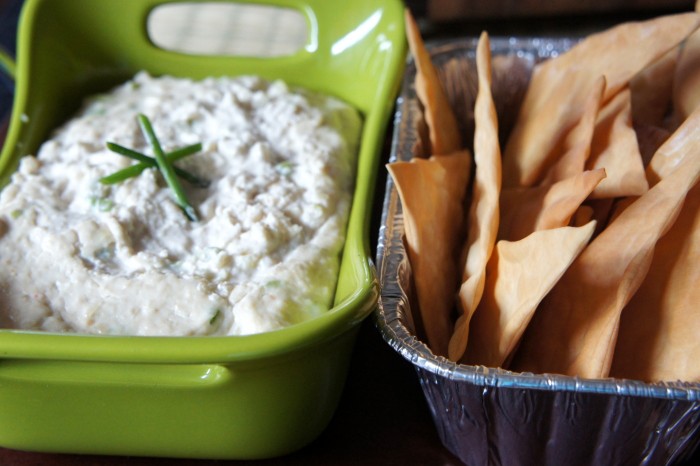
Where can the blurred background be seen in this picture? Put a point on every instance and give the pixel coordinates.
(9, 10)
(437, 18)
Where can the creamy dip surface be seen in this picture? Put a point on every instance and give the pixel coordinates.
(80, 256)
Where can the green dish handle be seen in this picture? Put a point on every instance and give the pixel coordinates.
(52, 373)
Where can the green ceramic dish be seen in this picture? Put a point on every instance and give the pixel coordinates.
(221, 397)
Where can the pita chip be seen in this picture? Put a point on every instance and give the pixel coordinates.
(683, 143)
(659, 328)
(649, 139)
(560, 86)
(615, 148)
(657, 339)
(574, 330)
(583, 215)
(576, 146)
(519, 274)
(483, 214)
(651, 90)
(444, 134)
(432, 193)
(525, 210)
(686, 80)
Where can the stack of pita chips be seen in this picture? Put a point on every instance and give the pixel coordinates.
(432, 192)
(576, 251)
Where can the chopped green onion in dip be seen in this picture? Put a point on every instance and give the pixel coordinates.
(122, 259)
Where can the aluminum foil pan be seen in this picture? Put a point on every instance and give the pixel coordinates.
(489, 415)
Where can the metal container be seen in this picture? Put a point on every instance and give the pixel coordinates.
(489, 415)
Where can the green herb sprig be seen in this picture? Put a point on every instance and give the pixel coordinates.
(149, 162)
(162, 161)
(166, 168)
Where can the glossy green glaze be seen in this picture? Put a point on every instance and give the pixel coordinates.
(220, 397)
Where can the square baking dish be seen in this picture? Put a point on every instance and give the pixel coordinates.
(252, 396)
(487, 415)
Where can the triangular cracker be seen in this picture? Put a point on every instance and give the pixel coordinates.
(525, 210)
(559, 87)
(518, 276)
(483, 214)
(574, 330)
(615, 148)
(444, 134)
(432, 193)
(659, 328)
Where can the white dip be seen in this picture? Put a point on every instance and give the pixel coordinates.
(80, 256)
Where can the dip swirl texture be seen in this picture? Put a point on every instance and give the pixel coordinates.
(80, 256)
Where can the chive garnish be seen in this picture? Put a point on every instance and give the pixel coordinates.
(166, 168)
(148, 162)
(162, 161)
(214, 317)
